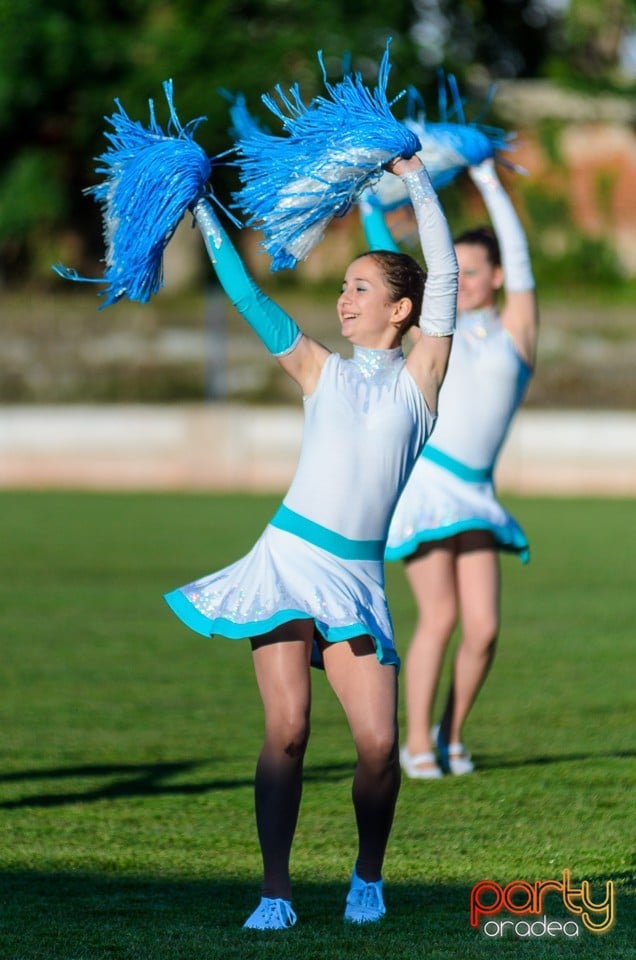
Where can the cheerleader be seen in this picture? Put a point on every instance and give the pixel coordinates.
(449, 527)
(312, 588)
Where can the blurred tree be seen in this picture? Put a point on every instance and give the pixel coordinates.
(588, 49)
(499, 38)
(62, 63)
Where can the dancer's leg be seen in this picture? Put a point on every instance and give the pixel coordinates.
(281, 662)
(478, 584)
(432, 579)
(368, 694)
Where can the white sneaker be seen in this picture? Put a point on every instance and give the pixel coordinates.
(271, 914)
(365, 903)
(454, 757)
(420, 766)
(459, 760)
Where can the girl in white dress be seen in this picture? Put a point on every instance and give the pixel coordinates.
(313, 585)
(449, 526)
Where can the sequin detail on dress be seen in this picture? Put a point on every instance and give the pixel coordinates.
(378, 368)
(480, 324)
(376, 364)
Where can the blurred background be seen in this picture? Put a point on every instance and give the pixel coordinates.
(565, 76)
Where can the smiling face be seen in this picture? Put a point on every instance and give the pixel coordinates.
(368, 317)
(479, 278)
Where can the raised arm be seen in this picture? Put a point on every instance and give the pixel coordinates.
(428, 359)
(299, 356)
(376, 231)
(520, 313)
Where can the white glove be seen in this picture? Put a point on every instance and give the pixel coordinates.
(439, 308)
(515, 257)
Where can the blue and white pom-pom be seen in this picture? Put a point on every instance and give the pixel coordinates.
(448, 146)
(295, 184)
(242, 123)
(151, 179)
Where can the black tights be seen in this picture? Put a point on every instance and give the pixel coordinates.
(367, 692)
(374, 793)
(277, 792)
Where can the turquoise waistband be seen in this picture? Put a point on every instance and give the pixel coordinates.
(292, 522)
(461, 470)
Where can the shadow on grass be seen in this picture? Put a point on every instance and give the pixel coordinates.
(141, 780)
(66, 916)
(491, 762)
(126, 781)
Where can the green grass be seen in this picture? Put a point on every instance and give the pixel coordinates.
(128, 747)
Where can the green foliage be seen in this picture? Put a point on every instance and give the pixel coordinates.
(76, 58)
(26, 198)
(129, 746)
(63, 64)
(605, 186)
(592, 35)
(549, 133)
(562, 256)
(498, 38)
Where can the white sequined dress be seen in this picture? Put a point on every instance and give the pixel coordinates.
(321, 555)
(451, 488)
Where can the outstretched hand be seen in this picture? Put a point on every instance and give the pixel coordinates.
(400, 165)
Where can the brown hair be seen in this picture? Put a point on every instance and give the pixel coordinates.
(404, 277)
(482, 237)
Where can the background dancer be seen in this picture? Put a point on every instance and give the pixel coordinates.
(449, 526)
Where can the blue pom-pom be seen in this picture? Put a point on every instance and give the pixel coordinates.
(295, 184)
(449, 145)
(151, 178)
(243, 124)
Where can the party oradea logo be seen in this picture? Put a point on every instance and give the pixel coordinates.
(521, 909)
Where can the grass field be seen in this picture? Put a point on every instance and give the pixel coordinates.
(128, 748)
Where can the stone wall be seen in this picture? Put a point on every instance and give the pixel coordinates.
(230, 447)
